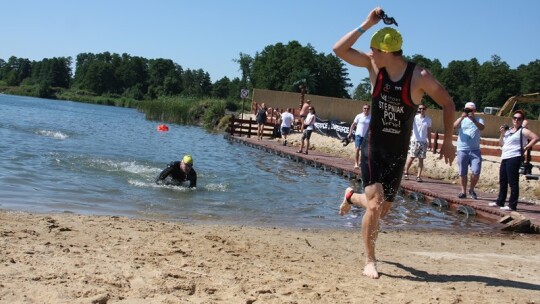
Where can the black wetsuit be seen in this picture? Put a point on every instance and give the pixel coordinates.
(177, 175)
(384, 149)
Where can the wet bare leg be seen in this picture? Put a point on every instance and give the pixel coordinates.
(370, 221)
(345, 207)
(375, 206)
(357, 199)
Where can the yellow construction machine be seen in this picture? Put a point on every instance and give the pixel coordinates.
(510, 105)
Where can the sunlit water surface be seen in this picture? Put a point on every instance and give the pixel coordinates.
(62, 156)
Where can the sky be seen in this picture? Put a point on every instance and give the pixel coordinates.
(210, 34)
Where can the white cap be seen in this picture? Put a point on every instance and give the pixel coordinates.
(470, 105)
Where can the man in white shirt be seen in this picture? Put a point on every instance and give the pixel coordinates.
(420, 142)
(286, 122)
(361, 123)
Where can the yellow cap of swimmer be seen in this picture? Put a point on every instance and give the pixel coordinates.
(387, 40)
(188, 160)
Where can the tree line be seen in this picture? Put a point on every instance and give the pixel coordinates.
(284, 67)
(488, 84)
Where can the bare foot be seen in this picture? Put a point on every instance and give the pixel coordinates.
(345, 206)
(356, 166)
(370, 270)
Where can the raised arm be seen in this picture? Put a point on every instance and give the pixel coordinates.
(343, 47)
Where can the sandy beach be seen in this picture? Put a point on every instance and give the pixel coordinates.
(89, 259)
(68, 258)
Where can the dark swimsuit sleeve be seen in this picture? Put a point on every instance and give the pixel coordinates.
(165, 172)
(192, 178)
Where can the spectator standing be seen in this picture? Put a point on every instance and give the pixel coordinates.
(398, 86)
(515, 141)
(304, 111)
(286, 122)
(361, 125)
(308, 125)
(262, 112)
(468, 147)
(420, 141)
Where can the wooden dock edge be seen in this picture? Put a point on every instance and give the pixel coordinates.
(505, 221)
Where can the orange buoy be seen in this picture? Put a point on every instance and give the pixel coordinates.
(162, 128)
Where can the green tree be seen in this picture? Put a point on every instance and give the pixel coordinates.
(3, 71)
(97, 73)
(197, 83)
(220, 88)
(165, 78)
(55, 72)
(280, 67)
(529, 77)
(495, 83)
(99, 78)
(363, 90)
(332, 77)
(246, 65)
(457, 79)
(16, 70)
(132, 72)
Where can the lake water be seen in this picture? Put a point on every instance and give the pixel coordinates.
(62, 156)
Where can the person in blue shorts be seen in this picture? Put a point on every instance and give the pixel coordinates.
(360, 126)
(286, 122)
(468, 147)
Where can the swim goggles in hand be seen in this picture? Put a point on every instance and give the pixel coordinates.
(387, 20)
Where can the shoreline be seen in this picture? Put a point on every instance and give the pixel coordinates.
(68, 258)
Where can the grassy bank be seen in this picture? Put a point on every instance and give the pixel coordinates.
(170, 109)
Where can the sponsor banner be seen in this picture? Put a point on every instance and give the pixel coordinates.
(332, 128)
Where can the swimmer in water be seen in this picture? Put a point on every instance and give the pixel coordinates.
(179, 172)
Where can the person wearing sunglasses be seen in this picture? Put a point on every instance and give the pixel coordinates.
(360, 125)
(420, 142)
(398, 86)
(178, 172)
(468, 127)
(515, 141)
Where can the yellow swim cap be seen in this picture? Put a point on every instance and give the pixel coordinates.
(188, 160)
(387, 40)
